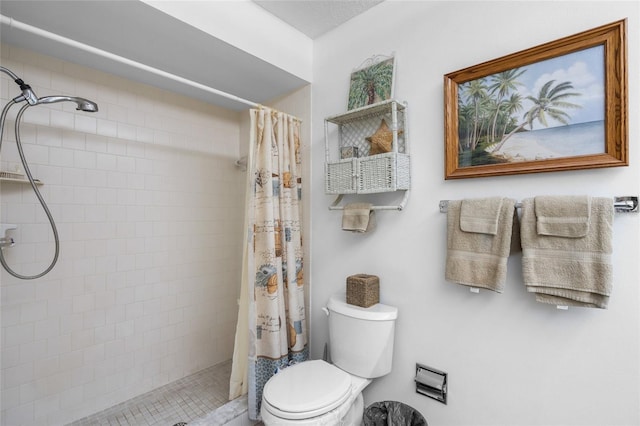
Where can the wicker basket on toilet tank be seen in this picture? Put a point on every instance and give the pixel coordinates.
(363, 290)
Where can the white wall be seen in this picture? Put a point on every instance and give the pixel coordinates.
(511, 360)
(147, 199)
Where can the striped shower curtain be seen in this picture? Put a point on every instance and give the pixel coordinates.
(272, 298)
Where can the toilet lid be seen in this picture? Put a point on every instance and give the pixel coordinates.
(305, 390)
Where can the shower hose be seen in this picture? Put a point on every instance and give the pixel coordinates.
(5, 110)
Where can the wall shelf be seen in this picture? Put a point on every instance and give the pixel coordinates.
(23, 181)
(358, 172)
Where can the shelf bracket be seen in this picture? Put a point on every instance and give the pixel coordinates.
(336, 204)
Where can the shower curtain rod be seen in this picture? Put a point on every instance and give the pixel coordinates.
(52, 36)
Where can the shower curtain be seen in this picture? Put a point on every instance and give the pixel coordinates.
(271, 329)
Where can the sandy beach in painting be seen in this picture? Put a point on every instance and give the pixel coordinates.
(556, 142)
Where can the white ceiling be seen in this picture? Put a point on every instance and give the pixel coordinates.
(137, 31)
(316, 17)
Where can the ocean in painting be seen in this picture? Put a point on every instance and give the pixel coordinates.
(556, 142)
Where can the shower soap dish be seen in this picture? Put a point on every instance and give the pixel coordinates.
(11, 175)
(363, 290)
(16, 178)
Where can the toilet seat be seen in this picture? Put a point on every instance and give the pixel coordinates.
(305, 390)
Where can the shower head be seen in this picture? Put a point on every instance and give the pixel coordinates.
(81, 103)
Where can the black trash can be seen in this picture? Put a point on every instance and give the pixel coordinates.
(392, 413)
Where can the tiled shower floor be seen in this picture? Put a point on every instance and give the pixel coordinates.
(178, 402)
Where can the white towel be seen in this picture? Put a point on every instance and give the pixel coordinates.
(575, 271)
(479, 259)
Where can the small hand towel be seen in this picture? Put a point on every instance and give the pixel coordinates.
(563, 216)
(480, 215)
(479, 259)
(358, 217)
(569, 270)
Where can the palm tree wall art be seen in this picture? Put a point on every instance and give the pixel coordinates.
(552, 107)
(372, 82)
(493, 106)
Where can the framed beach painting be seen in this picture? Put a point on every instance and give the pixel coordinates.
(558, 106)
(372, 81)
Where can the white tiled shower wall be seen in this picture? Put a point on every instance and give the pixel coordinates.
(148, 205)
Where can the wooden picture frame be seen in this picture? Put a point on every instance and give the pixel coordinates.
(487, 134)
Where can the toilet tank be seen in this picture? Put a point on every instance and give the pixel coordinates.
(361, 339)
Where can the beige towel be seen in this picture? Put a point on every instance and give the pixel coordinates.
(479, 259)
(568, 270)
(480, 215)
(358, 217)
(566, 216)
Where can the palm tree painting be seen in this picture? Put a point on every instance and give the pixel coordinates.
(371, 84)
(549, 109)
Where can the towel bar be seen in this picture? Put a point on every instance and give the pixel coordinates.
(335, 205)
(622, 204)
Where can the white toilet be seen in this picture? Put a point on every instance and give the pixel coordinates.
(318, 393)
